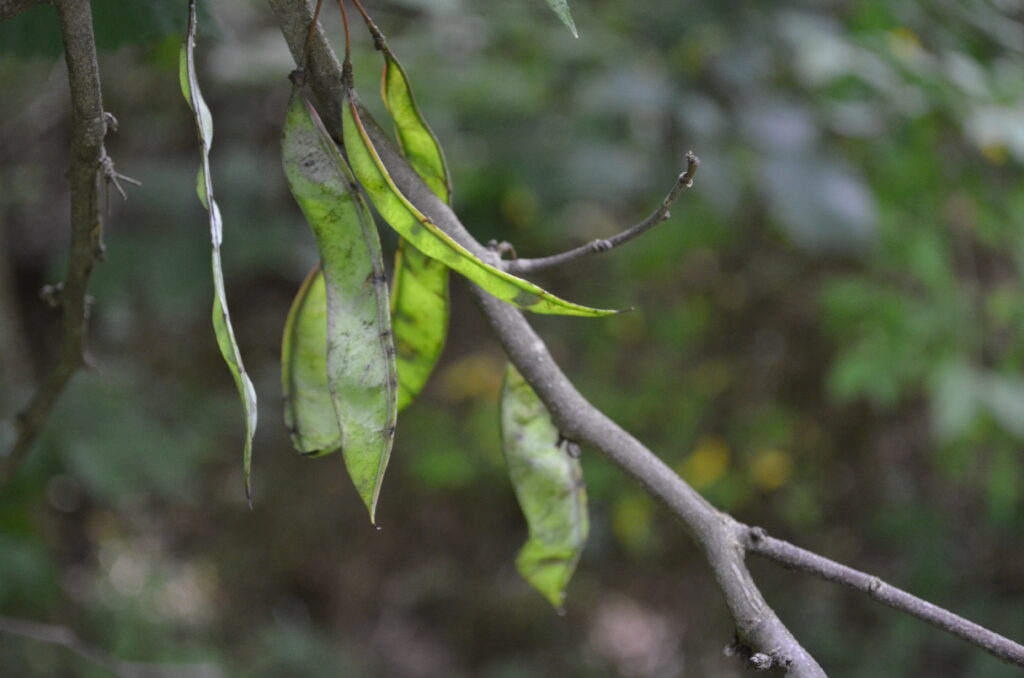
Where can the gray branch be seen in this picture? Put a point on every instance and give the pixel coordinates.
(796, 558)
(685, 180)
(89, 166)
(62, 636)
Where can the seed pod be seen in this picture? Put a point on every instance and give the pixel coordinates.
(361, 376)
(425, 236)
(308, 408)
(419, 293)
(204, 187)
(548, 483)
(415, 137)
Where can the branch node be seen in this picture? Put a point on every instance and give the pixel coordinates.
(110, 120)
(51, 294)
(757, 534)
(761, 661)
(502, 248)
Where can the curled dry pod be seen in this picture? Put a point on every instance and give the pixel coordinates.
(425, 236)
(204, 187)
(419, 293)
(361, 375)
(308, 408)
(548, 482)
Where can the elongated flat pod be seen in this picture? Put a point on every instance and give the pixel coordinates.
(548, 483)
(204, 187)
(308, 407)
(419, 293)
(418, 142)
(403, 216)
(361, 374)
(419, 317)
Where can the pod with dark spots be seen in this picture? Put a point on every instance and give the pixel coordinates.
(424, 235)
(548, 482)
(204, 187)
(359, 350)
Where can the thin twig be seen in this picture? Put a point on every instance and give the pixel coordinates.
(69, 640)
(796, 558)
(659, 215)
(89, 127)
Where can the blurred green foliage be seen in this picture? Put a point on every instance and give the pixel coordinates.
(827, 342)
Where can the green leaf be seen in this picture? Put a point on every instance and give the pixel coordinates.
(361, 374)
(548, 483)
(419, 294)
(221, 319)
(561, 8)
(308, 408)
(425, 236)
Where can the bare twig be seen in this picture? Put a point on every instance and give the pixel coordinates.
(659, 215)
(767, 643)
(89, 127)
(796, 558)
(12, 8)
(66, 638)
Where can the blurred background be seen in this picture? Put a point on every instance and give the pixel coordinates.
(828, 340)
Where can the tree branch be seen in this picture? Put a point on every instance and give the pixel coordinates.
(12, 8)
(89, 162)
(767, 643)
(66, 638)
(685, 180)
(796, 558)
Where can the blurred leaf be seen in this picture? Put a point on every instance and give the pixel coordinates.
(954, 401)
(361, 376)
(561, 8)
(423, 234)
(707, 463)
(204, 187)
(771, 468)
(549, 486)
(1004, 396)
(1004, 486)
(308, 408)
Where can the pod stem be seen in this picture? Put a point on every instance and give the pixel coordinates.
(309, 43)
(346, 65)
(378, 37)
